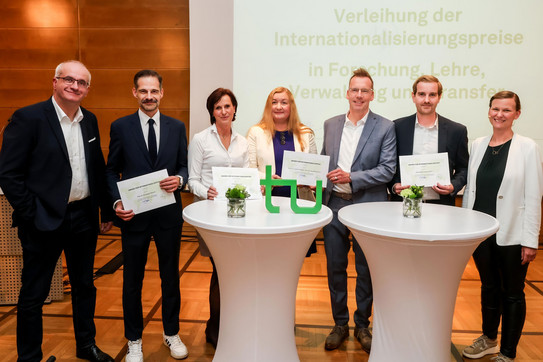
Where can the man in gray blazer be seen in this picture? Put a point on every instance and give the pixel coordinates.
(362, 150)
(427, 132)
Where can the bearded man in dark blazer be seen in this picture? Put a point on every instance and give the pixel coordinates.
(142, 143)
(427, 132)
(52, 173)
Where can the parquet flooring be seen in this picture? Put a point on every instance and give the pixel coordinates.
(313, 315)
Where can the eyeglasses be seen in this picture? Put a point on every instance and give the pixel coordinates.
(364, 91)
(70, 81)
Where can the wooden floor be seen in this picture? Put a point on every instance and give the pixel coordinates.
(313, 315)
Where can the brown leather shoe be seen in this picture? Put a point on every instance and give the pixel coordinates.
(336, 337)
(363, 335)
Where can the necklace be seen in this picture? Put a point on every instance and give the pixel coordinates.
(494, 151)
(283, 137)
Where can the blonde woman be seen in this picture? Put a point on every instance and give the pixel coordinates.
(280, 130)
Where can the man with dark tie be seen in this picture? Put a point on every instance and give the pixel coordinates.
(427, 132)
(52, 173)
(362, 149)
(141, 143)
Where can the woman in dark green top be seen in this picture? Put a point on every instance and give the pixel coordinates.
(505, 180)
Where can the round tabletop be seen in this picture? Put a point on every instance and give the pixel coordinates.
(437, 223)
(211, 215)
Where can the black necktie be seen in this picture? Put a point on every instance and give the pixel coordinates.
(151, 141)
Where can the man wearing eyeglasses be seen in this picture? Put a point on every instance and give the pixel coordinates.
(362, 150)
(52, 172)
(426, 132)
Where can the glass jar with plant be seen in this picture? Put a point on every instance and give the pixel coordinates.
(236, 205)
(412, 201)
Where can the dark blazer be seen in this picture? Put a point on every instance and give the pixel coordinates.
(374, 161)
(35, 172)
(452, 138)
(129, 157)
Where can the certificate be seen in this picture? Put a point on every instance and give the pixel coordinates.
(227, 177)
(425, 170)
(305, 168)
(143, 193)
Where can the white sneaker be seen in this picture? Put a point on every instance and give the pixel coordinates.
(135, 351)
(177, 349)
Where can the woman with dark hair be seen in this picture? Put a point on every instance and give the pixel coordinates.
(216, 146)
(505, 180)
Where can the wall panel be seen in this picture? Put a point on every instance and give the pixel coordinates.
(37, 47)
(39, 14)
(132, 13)
(114, 39)
(21, 87)
(135, 48)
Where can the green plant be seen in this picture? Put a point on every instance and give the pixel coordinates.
(237, 192)
(412, 192)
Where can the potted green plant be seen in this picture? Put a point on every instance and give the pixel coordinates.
(412, 201)
(236, 205)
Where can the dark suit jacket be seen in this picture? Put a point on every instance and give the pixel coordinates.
(452, 138)
(129, 157)
(374, 161)
(35, 172)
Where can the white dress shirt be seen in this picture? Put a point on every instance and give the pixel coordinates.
(424, 143)
(347, 148)
(76, 152)
(144, 120)
(206, 151)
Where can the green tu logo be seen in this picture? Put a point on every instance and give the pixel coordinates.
(268, 182)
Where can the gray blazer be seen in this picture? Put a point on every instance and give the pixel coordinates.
(374, 162)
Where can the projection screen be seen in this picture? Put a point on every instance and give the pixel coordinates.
(475, 48)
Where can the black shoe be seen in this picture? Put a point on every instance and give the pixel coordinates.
(93, 353)
(363, 335)
(212, 341)
(336, 337)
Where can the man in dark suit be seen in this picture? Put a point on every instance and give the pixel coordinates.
(362, 150)
(52, 173)
(141, 143)
(427, 132)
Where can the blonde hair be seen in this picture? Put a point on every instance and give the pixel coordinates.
(294, 124)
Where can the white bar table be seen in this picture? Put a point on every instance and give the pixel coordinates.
(258, 260)
(416, 266)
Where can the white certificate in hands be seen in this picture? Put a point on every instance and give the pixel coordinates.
(226, 177)
(425, 170)
(143, 193)
(305, 168)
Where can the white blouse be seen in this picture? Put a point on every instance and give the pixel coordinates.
(207, 151)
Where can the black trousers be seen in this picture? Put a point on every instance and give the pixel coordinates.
(502, 292)
(135, 249)
(212, 326)
(41, 250)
